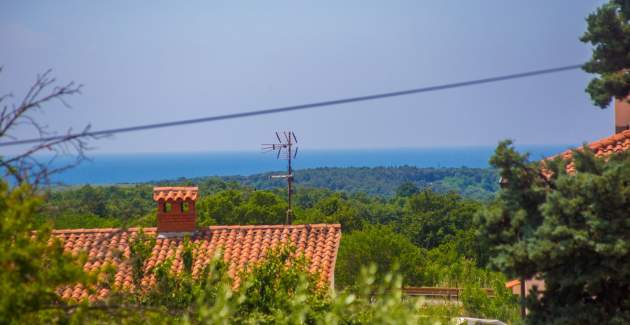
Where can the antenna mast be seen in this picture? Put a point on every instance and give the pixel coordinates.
(284, 147)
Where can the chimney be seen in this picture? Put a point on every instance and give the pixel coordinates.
(622, 115)
(176, 209)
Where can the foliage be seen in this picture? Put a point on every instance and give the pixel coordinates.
(140, 249)
(117, 205)
(280, 290)
(609, 33)
(234, 207)
(280, 284)
(509, 224)
(445, 266)
(477, 183)
(502, 305)
(572, 230)
(407, 189)
(333, 208)
(381, 246)
(33, 267)
(432, 219)
(373, 301)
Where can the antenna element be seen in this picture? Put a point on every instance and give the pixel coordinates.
(285, 150)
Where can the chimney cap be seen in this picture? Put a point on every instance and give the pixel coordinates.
(174, 193)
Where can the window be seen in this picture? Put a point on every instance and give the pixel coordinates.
(186, 206)
(168, 207)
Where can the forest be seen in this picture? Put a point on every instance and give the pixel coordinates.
(478, 183)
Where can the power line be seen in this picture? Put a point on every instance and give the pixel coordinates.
(300, 107)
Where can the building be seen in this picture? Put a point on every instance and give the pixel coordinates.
(176, 216)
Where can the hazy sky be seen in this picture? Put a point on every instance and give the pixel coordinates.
(153, 61)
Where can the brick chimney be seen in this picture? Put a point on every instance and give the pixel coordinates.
(622, 115)
(176, 208)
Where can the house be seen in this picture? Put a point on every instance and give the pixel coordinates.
(176, 215)
(617, 143)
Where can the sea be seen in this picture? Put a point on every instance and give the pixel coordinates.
(146, 167)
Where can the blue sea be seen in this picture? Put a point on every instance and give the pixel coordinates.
(133, 168)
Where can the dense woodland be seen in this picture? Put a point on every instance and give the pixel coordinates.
(478, 183)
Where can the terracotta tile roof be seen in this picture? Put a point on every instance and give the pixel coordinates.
(173, 193)
(605, 147)
(241, 245)
(512, 284)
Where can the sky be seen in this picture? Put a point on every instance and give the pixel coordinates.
(154, 61)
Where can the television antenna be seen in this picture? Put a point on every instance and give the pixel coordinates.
(285, 150)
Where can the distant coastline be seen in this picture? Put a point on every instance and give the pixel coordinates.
(134, 168)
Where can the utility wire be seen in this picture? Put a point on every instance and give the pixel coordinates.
(298, 107)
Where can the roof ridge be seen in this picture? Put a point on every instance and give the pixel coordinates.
(100, 230)
(215, 227)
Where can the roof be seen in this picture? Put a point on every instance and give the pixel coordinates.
(605, 147)
(174, 193)
(241, 245)
(513, 283)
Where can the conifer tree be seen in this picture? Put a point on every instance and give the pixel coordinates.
(609, 32)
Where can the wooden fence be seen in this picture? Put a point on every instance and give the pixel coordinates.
(444, 293)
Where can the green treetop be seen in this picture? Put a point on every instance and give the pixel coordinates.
(609, 32)
(572, 230)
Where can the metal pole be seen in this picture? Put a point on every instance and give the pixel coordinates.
(289, 181)
(523, 309)
(287, 146)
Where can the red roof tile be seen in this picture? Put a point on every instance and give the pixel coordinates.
(241, 245)
(173, 193)
(605, 147)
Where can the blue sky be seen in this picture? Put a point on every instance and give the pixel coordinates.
(151, 61)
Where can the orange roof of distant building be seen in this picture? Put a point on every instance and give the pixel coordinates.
(173, 193)
(513, 283)
(605, 147)
(241, 246)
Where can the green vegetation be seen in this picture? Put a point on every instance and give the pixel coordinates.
(548, 226)
(609, 33)
(571, 230)
(426, 237)
(477, 183)
(277, 290)
(32, 267)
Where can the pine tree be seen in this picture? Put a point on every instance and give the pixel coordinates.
(609, 32)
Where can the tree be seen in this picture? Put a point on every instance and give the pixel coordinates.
(334, 208)
(585, 233)
(407, 189)
(33, 265)
(235, 207)
(25, 166)
(609, 32)
(381, 246)
(570, 230)
(432, 218)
